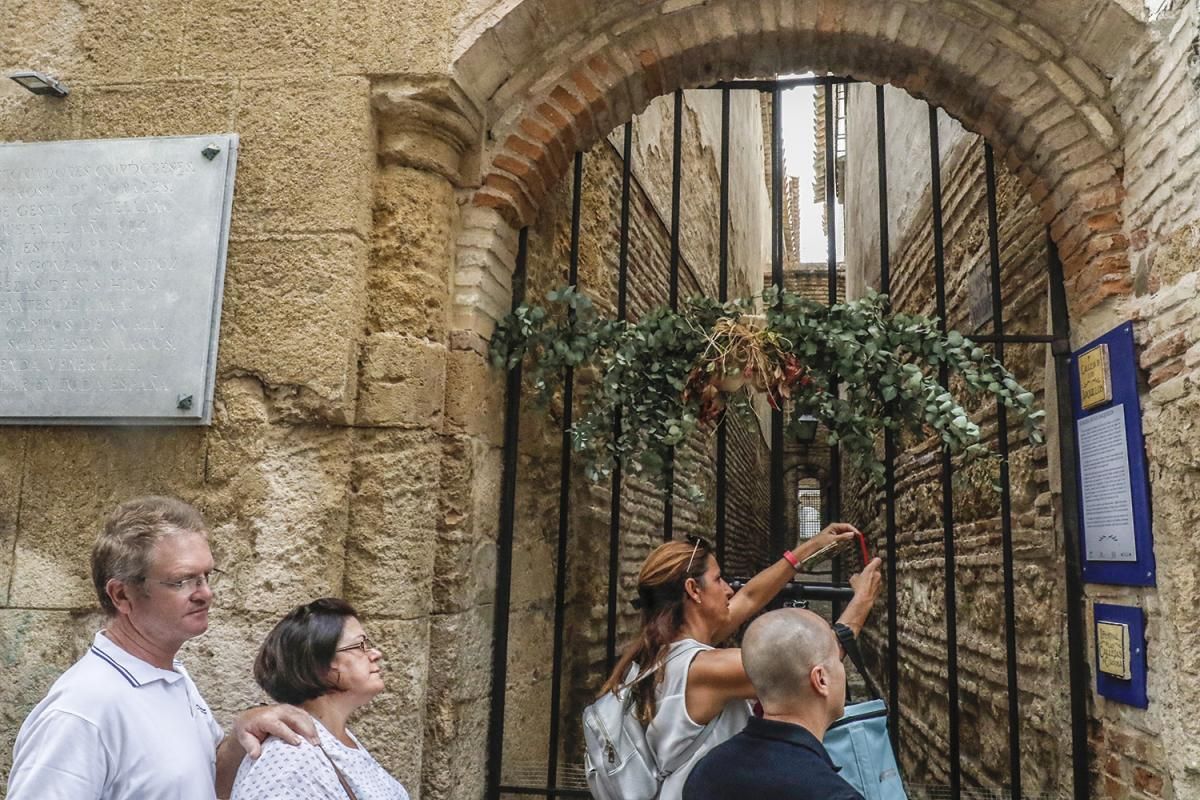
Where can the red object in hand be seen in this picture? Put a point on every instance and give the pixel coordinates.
(862, 546)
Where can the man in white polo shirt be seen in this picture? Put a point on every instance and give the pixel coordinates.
(126, 722)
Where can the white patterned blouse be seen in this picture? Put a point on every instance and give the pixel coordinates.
(303, 772)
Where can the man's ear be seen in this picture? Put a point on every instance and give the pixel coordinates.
(818, 678)
(118, 592)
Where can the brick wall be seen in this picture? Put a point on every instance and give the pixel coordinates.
(1037, 553)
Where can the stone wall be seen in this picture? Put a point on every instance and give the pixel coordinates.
(641, 517)
(1037, 552)
(387, 151)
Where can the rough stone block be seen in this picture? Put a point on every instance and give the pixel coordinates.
(307, 156)
(392, 727)
(472, 387)
(469, 500)
(291, 316)
(233, 37)
(221, 661)
(391, 543)
(403, 382)
(124, 41)
(456, 716)
(35, 648)
(13, 445)
(44, 37)
(28, 118)
(412, 252)
(158, 109)
(280, 521)
(73, 478)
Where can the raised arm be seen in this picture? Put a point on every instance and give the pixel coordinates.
(765, 585)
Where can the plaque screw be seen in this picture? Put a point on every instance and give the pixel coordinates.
(210, 152)
(184, 402)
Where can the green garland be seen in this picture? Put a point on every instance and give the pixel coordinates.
(855, 366)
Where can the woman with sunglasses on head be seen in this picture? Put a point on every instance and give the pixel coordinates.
(319, 658)
(690, 694)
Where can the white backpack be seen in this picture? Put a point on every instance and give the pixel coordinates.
(619, 763)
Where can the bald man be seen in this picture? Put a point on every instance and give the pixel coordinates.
(794, 660)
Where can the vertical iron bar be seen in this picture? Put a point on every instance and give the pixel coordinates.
(504, 544)
(723, 296)
(676, 182)
(1076, 640)
(835, 452)
(614, 514)
(564, 499)
(889, 444)
(939, 267)
(779, 538)
(1006, 541)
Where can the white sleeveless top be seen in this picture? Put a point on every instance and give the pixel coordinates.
(672, 730)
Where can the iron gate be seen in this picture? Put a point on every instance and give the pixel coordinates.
(557, 782)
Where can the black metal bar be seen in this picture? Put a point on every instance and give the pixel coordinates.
(1006, 541)
(722, 465)
(614, 515)
(804, 591)
(939, 267)
(889, 444)
(676, 184)
(1076, 640)
(779, 538)
(835, 452)
(782, 83)
(564, 499)
(504, 544)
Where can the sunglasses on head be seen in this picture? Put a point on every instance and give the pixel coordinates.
(696, 542)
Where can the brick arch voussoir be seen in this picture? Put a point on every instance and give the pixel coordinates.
(1071, 168)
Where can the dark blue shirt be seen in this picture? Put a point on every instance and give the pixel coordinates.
(768, 759)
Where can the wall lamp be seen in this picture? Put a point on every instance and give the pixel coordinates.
(805, 428)
(40, 83)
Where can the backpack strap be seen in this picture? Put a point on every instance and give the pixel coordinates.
(849, 643)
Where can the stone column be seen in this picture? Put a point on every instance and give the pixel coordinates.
(426, 464)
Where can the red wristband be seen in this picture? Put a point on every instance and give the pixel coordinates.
(790, 557)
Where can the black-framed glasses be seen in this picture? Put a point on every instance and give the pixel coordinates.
(210, 579)
(364, 644)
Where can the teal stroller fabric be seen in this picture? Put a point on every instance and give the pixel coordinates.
(858, 742)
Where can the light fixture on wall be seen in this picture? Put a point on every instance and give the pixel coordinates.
(805, 428)
(40, 83)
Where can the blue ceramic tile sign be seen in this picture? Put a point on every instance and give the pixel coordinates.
(1114, 490)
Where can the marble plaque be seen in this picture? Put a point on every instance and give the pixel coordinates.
(112, 259)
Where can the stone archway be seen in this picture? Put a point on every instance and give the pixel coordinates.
(552, 78)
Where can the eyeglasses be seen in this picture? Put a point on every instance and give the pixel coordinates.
(365, 644)
(210, 578)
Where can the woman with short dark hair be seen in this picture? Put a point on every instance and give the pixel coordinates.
(318, 657)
